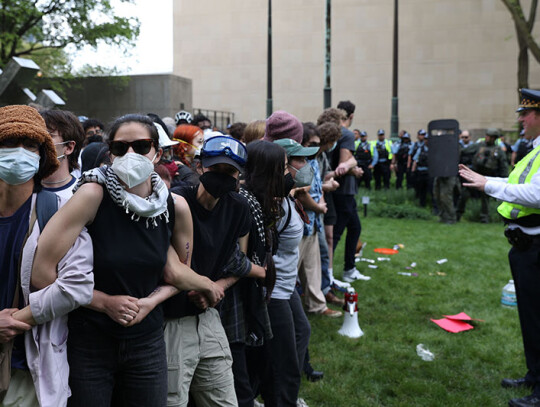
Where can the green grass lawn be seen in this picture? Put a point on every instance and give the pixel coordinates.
(382, 367)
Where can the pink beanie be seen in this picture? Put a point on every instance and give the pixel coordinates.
(282, 125)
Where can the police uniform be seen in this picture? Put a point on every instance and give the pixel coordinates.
(382, 165)
(364, 158)
(400, 151)
(423, 182)
(521, 211)
(466, 155)
(490, 160)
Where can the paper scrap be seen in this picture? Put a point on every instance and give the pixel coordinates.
(372, 266)
(442, 261)
(452, 325)
(383, 258)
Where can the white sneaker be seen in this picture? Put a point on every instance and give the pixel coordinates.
(340, 283)
(301, 403)
(353, 275)
(257, 404)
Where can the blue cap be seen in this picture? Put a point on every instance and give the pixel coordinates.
(422, 132)
(380, 132)
(406, 135)
(363, 134)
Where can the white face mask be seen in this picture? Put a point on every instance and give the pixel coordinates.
(61, 144)
(18, 165)
(133, 169)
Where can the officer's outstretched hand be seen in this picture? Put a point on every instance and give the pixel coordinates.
(474, 180)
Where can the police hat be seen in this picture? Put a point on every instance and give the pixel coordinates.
(493, 132)
(363, 134)
(530, 99)
(406, 135)
(422, 132)
(380, 132)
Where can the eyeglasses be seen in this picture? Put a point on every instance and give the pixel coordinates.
(27, 143)
(222, 145)
(119, 148)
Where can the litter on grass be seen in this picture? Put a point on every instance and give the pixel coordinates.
(424, 353)
(455, 323)
(385, 250)
(383, 258)
(401, 273)
(372, 266)
(442, 261)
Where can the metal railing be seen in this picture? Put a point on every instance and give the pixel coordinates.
(219, 118)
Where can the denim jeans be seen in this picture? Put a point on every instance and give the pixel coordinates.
(347, 217)
(135, 368)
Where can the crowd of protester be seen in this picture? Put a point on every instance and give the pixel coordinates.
(159, 261)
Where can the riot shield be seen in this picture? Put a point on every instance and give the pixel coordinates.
(443, 153)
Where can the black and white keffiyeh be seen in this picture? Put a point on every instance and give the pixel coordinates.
(257, 213)
(152, 207)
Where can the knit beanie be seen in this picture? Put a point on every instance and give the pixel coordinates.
(20, 121)
(282, 125)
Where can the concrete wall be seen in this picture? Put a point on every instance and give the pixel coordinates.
(106, 98)
(457, 59)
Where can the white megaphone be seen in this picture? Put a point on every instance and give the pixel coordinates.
(350, 325)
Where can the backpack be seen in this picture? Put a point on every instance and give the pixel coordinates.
(46, 207)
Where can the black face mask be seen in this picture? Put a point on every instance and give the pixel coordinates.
(288, 184)
(218, 183)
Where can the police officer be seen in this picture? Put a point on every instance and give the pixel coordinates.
(521, 211)
(364, 158)
(489, 160)
(423, 182)
(468, 150)
(400, 152)
(420, 136)
(382, 165)
(521, 148)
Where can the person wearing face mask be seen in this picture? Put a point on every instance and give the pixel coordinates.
(33, 316)
(198, 352)
(141, 236)
(309, 263)
(68, 137)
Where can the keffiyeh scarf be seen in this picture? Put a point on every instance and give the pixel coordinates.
(151, 208)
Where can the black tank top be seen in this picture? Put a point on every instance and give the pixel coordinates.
(128, 260)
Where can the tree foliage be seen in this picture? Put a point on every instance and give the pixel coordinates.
(43, 27)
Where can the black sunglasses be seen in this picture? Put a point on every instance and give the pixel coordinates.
(119, 148)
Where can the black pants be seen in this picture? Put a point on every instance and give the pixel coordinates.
(402, 172)
(365, 180)
(382, 171)
(424, 186)
(347, 217)
(525, 266)
(242, 384)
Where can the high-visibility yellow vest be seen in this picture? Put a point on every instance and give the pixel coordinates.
(387, 144)
(522, 174)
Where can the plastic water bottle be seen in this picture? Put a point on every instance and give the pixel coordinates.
(508, 298)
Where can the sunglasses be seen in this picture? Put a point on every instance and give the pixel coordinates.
(119, 148)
